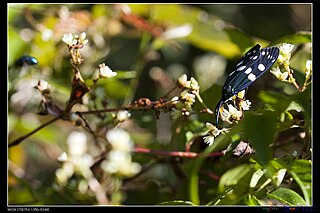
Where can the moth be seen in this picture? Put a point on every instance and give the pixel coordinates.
(251, 66)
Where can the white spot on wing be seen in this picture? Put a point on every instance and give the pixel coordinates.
(263, 53)
(254, 58)
(251, 77)
(231, 73)
(239, 63)
(273, 60)
(241, 68)
(248, 70)
(261, 67)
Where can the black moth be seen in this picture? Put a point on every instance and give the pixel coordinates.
(250, 67)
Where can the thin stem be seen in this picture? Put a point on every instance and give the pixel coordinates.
(116, 109)
(174, 153)
(208, 110)
(20, 139)
(170, 91)
(293, 80)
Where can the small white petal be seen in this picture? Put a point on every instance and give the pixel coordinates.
(209, 140)
(63, 157)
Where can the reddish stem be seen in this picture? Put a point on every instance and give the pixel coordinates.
(174, 153)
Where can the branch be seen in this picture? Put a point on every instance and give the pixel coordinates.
(20, 139)
(174, 153)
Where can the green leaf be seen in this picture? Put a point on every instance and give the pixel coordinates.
(233, 176)
(204, 35)
(115, 89)
(287, 196)
(16, 46)
(207, 38)
(177, 202)
(300, 170)
(277, 100)
(256, 177)
(297, 38)
(304, 99)
(252, 200)
(220, 143)
(240, 38)
(260, 130)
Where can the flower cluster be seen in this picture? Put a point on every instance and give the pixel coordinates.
(212, 133)
(119, 160)
(281, 69)
(76, 160)
(121, 116)
(75, 42)
(308, 69)
(103, 72)
(183, 103)
(235, 108)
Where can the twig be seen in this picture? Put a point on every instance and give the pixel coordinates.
(174, 153)
(20, 139)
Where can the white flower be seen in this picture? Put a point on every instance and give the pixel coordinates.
(68, 39)
(43, 85)
(63, 157)
(105, 71)
(308, 69)
(282, 76)
(187, 97)
(77, 142)
(194, 86)
(285, 49)
(72, 40)
(245, 105)
(120, 163)
(183, 81)
(122, 115)
(119, 158)
(175, 99)
(120, 140)
(209, 139)
(82, 38)
(231, 114)
(285, 53)
(212, 133)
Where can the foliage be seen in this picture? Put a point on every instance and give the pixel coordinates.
(117, 111)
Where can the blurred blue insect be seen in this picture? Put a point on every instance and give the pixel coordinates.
(26, 60)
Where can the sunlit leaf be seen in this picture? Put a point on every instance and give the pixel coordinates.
(240, 38)
(277, 100)
(301, 172)
(296, 38)
(287, 196)
(233, 176)
(204, 35)
(177, 202)
(256, 177)
(252, 200)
